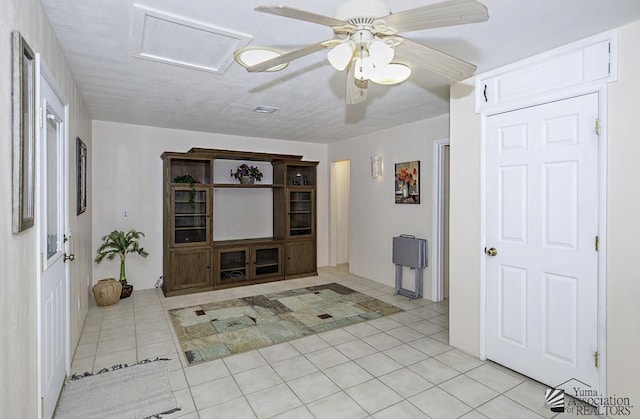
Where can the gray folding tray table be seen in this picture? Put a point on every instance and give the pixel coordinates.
(412, 252)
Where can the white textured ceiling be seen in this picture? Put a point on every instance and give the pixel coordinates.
(99, 36)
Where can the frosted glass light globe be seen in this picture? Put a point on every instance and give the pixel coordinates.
(340, 55)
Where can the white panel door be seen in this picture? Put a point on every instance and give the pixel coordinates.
(53, 309)
(542, 220)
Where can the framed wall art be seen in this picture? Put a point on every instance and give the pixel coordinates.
(81, 181)
(407, 182)
(23, 134)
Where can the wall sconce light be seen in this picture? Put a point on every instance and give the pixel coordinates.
(376, 166)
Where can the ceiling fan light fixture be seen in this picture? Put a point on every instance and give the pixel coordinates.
(381, 54)
(364, 68)
(252, 55)
(340, 56)
(362, 8)
(391, 74)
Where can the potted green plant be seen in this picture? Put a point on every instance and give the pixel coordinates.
(246, 174)
(119, 243)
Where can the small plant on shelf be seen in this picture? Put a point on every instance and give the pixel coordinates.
(246, 174)
(192, 182)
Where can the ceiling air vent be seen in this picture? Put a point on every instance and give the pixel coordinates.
(265, 109)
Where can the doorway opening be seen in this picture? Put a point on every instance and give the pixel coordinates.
(340, 192)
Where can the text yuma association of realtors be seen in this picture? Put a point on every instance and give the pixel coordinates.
(605, 405)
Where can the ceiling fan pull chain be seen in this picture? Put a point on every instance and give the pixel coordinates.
(361, 60)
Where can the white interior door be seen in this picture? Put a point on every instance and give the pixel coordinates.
(53, 309)
(542, 220)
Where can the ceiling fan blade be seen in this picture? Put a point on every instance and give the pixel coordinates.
(447, 13)
(288, 57)
(355, 90)
(301, 15)
(436, 61)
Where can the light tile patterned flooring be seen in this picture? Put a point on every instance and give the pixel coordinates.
(394, 367)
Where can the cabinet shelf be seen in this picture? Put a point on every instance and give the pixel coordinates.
(248, 186)
(189, 228)
(239, 268)
(266, 265)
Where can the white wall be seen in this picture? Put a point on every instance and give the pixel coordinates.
(375, 218)
(18, 261)
(464, 220)
(128, 175)
(623, 207)
(623, 228)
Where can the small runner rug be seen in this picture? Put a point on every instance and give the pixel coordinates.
(215, 330)
(123, 391)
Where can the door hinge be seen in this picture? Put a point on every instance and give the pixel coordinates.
(598, 126)
(596, 358)
(41, 407)
(41, 262)
(597, 243)
(41, 117)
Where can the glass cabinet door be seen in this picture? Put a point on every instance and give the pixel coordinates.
(300, 222)
(232, 265)
(190, 216)
(267, 261)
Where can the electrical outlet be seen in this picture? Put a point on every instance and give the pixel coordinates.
(125, 214)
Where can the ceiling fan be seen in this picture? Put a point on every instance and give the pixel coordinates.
(366, 37)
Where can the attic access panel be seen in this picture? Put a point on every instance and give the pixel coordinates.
(180, 41)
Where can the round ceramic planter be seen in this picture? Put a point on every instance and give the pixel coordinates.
(107, 292)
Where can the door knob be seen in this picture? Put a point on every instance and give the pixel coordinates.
(491, 251)
(69, 257)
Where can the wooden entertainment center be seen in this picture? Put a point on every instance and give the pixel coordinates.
(195, 262)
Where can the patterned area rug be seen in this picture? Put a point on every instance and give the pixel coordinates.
(211, 331)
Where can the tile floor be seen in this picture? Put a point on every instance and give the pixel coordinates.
(399, 366)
